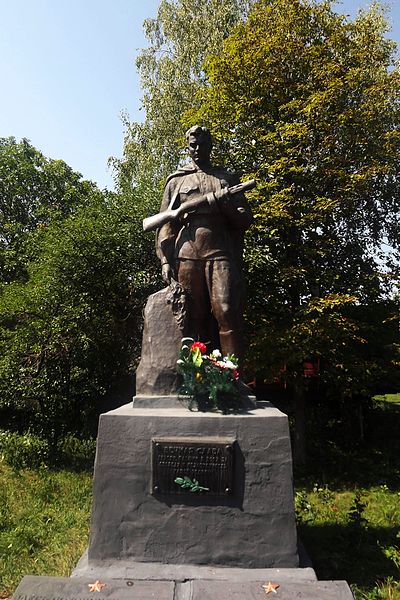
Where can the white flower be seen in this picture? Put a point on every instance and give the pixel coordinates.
(229, 364)
(180, 361)
(216, 354)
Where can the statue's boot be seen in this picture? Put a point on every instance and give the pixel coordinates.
(232, 343)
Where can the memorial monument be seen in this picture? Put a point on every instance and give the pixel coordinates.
(175, 486)
(187, 504)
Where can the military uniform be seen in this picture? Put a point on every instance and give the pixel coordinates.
(204, 249)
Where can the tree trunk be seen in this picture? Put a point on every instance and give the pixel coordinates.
(299, 450)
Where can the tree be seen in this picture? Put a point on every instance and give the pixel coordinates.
(73, 328)
(307, 103)
(75, 271)
(34, 191)
(180, 38)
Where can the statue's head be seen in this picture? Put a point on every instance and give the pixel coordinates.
(199, 143)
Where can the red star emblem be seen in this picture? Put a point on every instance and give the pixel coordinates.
(271, 587)
(97, 586)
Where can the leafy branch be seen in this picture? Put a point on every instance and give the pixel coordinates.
(186, 483)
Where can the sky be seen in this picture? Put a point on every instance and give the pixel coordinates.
(67, 71)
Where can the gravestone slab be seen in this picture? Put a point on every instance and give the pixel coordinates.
(77, 588)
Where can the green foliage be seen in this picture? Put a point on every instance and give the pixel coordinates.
(23, 451)
(303, 507)
(76, 453)
(393, 552)
(34, 191)
(388, 589)
(171, 71)
(73, 327)
(307, 103)
(356, 511)
(363, 551)
(187, 484)
(30, 451)
(383, 399)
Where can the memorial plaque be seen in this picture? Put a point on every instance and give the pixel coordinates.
(204, 464)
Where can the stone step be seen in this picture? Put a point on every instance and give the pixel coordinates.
(129, 569)
(86, 588)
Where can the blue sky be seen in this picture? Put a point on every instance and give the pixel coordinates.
(67, 70)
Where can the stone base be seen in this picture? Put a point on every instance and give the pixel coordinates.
(254, 527)
(64, 588)
(129, 569)
(159, 401)
(291, 586)
(175, 401)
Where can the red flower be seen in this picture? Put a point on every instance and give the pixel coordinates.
(236, 374)
(199, 345)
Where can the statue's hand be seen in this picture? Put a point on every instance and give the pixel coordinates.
(222, 195)
(167, 273)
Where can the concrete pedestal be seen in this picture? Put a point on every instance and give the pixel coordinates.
(254, 527)
(229, 586)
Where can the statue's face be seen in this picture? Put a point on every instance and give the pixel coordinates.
(199, 149)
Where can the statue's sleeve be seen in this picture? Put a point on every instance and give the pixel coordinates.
(236, 208)
(166, 235)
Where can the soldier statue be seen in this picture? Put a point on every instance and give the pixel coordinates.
(202, 248)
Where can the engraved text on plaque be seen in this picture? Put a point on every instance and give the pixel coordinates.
(208, 461)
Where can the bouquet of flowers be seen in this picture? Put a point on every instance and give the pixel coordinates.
(210, 380)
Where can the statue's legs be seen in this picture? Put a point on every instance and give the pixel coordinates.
(191, 277)
(215, 292)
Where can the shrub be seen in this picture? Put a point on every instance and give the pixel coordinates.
(29, 451)
(23, 451)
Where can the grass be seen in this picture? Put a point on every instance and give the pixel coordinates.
(44, 523)
(347, 507)
(351, 534)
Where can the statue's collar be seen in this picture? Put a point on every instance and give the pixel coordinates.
(190, 167)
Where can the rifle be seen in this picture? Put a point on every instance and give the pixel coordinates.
(211, 198)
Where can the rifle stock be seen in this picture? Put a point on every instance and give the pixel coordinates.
(157, 221)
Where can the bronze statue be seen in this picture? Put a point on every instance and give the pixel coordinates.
(202, 248)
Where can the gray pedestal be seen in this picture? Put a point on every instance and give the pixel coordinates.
(253, 527)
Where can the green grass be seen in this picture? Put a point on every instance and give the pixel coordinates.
(44, 523)
(350, 533)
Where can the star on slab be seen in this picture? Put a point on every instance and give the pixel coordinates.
(97, 586)
(270, 587)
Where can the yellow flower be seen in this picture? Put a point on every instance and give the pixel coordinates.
(198, 377)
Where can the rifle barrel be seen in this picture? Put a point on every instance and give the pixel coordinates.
(160, 219)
